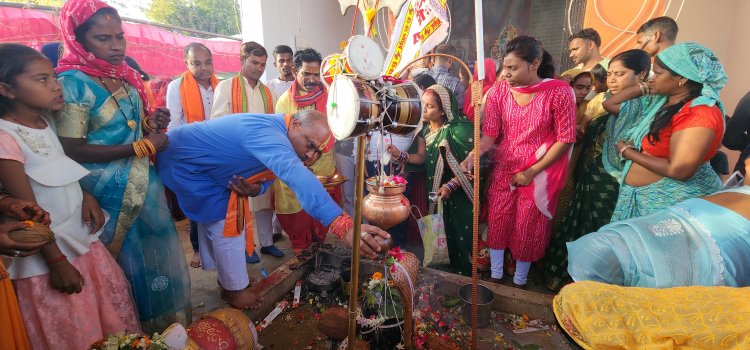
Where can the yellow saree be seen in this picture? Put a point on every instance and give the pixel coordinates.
(602, 316)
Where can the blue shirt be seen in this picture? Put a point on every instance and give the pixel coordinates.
(202, 158)
(449, 81)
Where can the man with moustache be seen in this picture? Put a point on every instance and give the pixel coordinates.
(306, 93)
(189, 100)
(282, 60)
(245, 93)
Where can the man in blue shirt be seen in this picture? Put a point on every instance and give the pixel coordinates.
(205, 162)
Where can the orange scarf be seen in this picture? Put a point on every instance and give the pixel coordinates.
(238, 210)
(190, 96)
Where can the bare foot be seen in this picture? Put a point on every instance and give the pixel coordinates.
(241, 299)
(195, 261)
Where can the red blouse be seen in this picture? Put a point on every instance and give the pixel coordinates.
(688, 117)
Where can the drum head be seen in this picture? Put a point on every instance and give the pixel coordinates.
(343, 117)
(332, 66)
(364, 57)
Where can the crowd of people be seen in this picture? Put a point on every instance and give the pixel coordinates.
(593, 174)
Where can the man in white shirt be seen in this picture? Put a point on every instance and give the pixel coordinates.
(245, 93)
(200, 79)
(282, 60)
(189, 99)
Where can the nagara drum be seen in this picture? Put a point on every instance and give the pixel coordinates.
(403, 108)
(353, 107)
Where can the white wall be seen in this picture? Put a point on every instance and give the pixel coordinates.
(297, 23)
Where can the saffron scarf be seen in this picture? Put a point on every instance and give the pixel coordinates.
(489, 80)
(190, 97)
(317, 97)
(238, 210)
(239, 96)
(72, 15)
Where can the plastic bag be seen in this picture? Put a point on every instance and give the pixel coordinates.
(432, 230)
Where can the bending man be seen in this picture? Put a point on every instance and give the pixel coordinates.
(206, 165)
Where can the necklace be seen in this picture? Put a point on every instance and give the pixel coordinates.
(131, 122)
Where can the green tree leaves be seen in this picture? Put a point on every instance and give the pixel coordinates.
(214, 16)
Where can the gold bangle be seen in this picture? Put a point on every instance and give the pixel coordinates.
(144, 124)
(140, 150)
(136, 149)
(151, 148)
(146, 151)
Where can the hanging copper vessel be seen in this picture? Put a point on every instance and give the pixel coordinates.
(386, 205)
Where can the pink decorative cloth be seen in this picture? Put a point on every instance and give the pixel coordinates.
(520, 218)
(73, 14)
(56, 320)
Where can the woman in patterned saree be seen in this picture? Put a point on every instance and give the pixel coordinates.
(664, 140)
(595, 193)
(448, 137)
(104, 126)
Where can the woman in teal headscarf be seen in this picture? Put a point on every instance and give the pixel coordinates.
(449, 138)
(664, 140)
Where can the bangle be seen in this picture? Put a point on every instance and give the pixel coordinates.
(623, 149)
(452, 185)
(144, 124)
(144, 148)
(341, 225)
(137, 147)
(56, 260)
(151, 148)
(403, 157)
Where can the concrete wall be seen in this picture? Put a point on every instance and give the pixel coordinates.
(297, 23)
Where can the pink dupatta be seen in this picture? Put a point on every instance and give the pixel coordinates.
(546, 186)
(73, 14)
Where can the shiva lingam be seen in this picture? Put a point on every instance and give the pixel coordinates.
(385, 205)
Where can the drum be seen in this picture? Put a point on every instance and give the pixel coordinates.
(332, 66)
(403, 108)
(223, 329)
(364, 57)
(353, 107)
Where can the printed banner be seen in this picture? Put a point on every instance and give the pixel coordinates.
(421, 25)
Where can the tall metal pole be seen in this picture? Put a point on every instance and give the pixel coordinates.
(476, 95)
(359, 184)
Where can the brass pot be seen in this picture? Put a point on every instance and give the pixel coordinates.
(386, 209)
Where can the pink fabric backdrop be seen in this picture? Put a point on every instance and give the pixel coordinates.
(159, 52)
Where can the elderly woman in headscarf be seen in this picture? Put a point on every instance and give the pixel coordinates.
(665, 132)
(448, 137)
(107, 126)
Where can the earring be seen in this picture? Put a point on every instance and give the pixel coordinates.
(681, 84)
